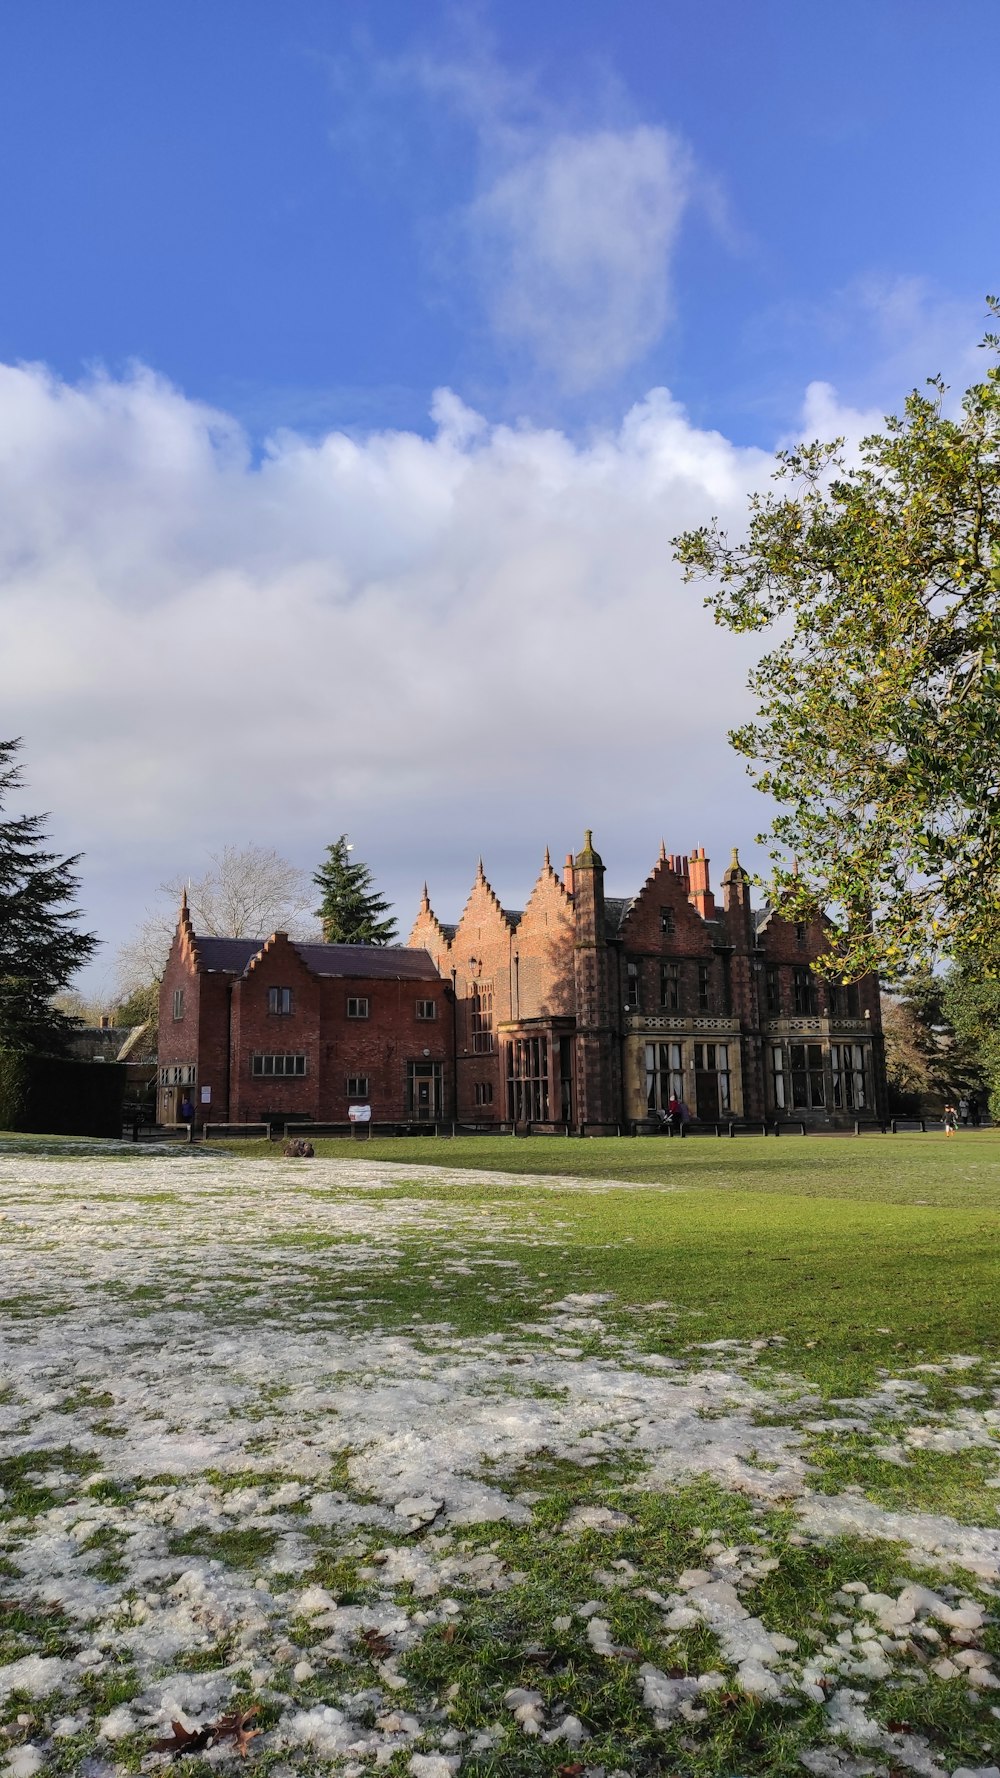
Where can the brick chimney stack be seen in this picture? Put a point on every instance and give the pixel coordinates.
(568, 874)
(699, 893)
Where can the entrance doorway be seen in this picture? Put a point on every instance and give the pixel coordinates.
(711, 1081)
(424, 1083)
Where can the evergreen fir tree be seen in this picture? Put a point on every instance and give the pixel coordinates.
(40, 951)
(351, 910)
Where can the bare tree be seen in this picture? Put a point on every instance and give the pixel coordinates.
(247, 892)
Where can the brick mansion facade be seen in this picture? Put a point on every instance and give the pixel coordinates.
(579, 1009)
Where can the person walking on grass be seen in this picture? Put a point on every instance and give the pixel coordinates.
(950, 1120)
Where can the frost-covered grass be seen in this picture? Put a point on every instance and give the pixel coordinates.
(512, 1475)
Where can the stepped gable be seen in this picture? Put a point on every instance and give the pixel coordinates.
(431, 934)
(483, 906)
(669, 886)
(546, 934)
(548, 893)
(225, 956)
(187, 938)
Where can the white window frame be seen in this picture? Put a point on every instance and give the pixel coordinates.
(850, 1076)
(358, 1006)
(260, 1071)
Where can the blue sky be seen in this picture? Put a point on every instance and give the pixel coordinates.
(310, 217)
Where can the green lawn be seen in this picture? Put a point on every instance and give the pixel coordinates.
(859, 1252)
(911, 1168)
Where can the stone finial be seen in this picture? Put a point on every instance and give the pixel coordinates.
(588, 859)
(735, 873)
(548, 861)
(663, 851)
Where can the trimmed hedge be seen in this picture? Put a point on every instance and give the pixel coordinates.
(51, 1096)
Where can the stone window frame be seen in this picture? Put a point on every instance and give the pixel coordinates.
(804, 992)
(481, 1017)
(178, 1007)
(358, 1006)
(427, 1009)
(357, 1086)
(280, 1002)
(670, 985)
(714, 1059)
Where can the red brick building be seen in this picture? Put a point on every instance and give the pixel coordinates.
(580, 1008)
(587, 1009)
(251, 1030)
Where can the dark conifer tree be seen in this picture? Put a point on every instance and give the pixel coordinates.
(351, 910)
(40, 949)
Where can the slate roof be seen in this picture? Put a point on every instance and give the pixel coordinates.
(375, 962)
(616, 908)
(230, 956)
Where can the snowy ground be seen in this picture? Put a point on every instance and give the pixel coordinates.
(236, 1481)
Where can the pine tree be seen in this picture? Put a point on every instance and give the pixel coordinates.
(351, 910)
(40, 951)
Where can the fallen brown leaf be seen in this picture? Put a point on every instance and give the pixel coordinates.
(448, 1633)
(183, 1740)
(571, 1771)
(898, 1728)
(233, 1727)
(377, 1645)
(230, 1727)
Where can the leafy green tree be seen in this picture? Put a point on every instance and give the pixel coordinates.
(141, 1007)
(971, 1006)
(934, 1047)
(878, 729)
(40, 949)
(351, 911)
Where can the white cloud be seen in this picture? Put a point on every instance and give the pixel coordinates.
(475, 641)
(574, 241)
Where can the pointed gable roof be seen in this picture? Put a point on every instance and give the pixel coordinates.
(668, 885)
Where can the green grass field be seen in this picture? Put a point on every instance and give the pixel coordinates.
(855, 1250)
